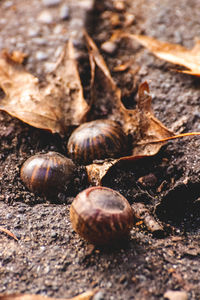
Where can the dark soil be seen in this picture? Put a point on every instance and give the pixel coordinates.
(49, 258)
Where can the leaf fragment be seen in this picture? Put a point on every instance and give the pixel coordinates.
(16, 56)
(173, 53)
(97, 171)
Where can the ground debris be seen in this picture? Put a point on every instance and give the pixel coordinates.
(85, 296)
(142, 213)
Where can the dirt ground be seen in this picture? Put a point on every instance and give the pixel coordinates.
(49, 258)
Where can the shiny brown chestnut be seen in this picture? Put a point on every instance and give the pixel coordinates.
(97, 139)
(47, 174)
(101, 215)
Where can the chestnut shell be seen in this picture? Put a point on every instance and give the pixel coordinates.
(47, 174)
(101, 215)
(97, 139)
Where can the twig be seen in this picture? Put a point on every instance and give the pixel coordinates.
(171, 138)
(8, 232)
(142, 213)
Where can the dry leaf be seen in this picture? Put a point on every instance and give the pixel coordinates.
(150, 129)
(16, 56)
(66, 86)
(85, 296)
(106, 103)
(123, 67)
(105, 96)
(97, 171)
(53, 105)
(173, 53)
(140, 123)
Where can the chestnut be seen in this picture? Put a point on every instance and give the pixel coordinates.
(101, 215)
(47, 174)
(97, 139)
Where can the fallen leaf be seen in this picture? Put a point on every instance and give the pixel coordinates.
(54, 104)
(174, 53)
(64, 82)
(8, 232)
(150, 130)
(85, 296)
(108, 104)
(139, 123)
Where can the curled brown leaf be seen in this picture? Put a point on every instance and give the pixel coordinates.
(55, 104)
(174, 53)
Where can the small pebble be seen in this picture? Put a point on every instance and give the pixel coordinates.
(119, 5)
(2, 197)
(77, 42)
(40, 55)
(53, 234)
(64, 12)
(122, 279)
(45, 17)
(76, 24)
(17, 234)
(2, 21)
(49, 67)
(21, 210)
(58, 29)
(58, 51)
(51, 2)
(32, 32)
(109, 47)
(20, 46)
(9, 216)
(13, 40)
(42, 248)
(129, 19)
(176, 295)
(148, 180)
(40, 41)
(99, 296)
(8, 4)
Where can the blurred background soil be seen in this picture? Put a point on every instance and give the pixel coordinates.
(49, 258)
